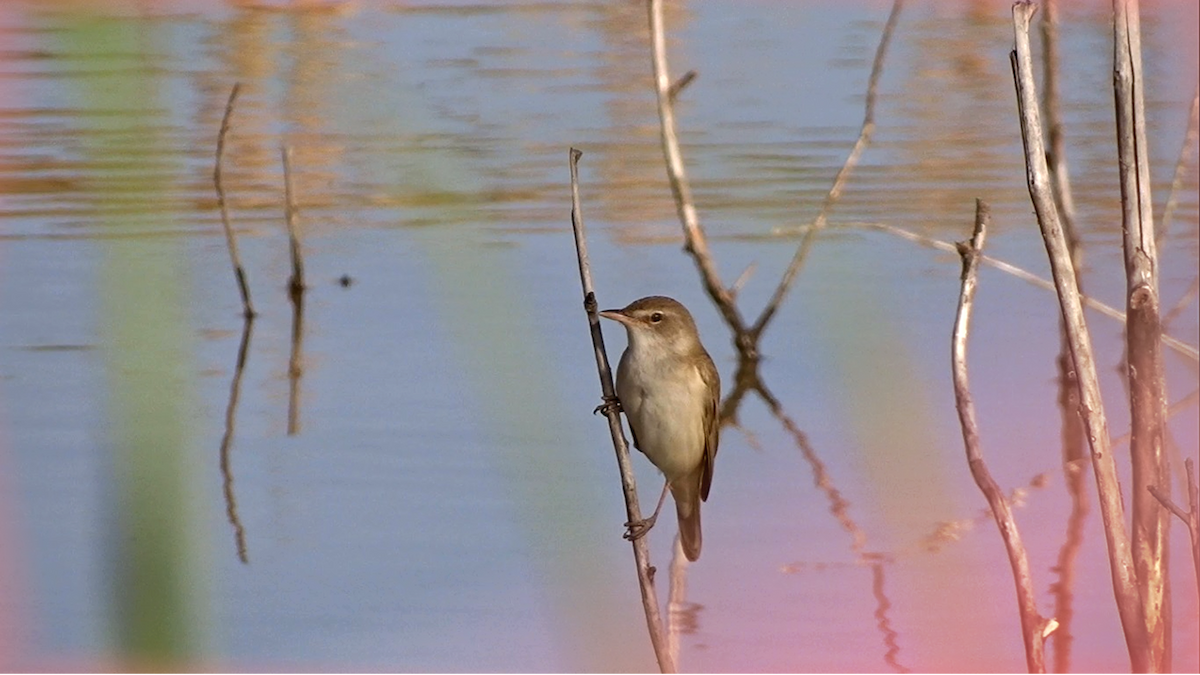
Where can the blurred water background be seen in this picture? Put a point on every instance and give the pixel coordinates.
(418, 484)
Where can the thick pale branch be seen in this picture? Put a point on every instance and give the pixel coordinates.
(1147, 385)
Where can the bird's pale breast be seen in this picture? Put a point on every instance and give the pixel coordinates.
(664, 400)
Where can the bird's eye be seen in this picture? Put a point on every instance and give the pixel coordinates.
(656, 317)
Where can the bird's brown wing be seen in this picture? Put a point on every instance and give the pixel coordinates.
(712, 423)
(621, 386)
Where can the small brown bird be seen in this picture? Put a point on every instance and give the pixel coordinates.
(670, 392)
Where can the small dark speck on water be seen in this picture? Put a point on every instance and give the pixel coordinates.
(345, 281)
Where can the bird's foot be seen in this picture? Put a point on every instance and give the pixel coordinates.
(637, 530)
(611, 404)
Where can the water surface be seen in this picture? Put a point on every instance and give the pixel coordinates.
(418, 483)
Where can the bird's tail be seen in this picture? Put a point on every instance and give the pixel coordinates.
(687, 508)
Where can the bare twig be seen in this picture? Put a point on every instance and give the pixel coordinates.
(1175, 344)
(743, 278)
(1191, 517)
(1091, 404)
(230, 238)
(839, 181)
(697, 243)
(296, 282)
(1182, 303)
(680, 84)
(1032, 624)
(641, 552)
(1181, 165)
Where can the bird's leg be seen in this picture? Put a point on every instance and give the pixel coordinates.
(611, 404)
(640, 528)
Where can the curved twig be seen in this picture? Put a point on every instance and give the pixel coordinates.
(839, 181)
(1032, 624)
(239, 272)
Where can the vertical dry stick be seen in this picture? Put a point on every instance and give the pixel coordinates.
(1191, 517)
(697, 243)
(1032, 624)
(641, 551)
(1147, 386)
(296, 282)
(1185, 156)
(230, 239)
(839, 181)
(1108, 487)
(295, 293)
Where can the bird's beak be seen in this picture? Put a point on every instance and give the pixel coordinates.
(617, 315)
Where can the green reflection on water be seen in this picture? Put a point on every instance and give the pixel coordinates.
(153, 611)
